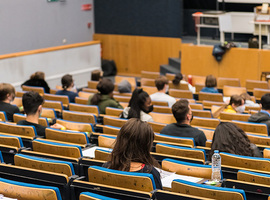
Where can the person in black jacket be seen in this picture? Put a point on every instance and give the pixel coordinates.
(38, 79)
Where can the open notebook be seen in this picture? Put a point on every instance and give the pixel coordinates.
(90, 152)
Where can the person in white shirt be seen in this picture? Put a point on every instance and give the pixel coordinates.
(162, 85)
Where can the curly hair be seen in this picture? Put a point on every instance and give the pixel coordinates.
(230, 138)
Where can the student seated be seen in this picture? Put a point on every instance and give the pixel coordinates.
(229, 138)
(104, 97)
(178, 79)
(183, 115)
(210, 84)
(68, 88)
(131, 151)
(236, 105)
(38, 79)
(248, 101)
(96, 75)
(162, 85)
(7, 95)
(32, 104)
(124, 87)
(139, 106)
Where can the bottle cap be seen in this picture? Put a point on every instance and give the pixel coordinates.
(216, 151)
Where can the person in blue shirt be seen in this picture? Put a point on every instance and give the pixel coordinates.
(67, 85)
(210, 84)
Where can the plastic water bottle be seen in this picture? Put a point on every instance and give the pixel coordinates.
(216, 166)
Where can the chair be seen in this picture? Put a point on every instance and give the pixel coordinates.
(131, 80)
(181, 86)
(19, 93)
(259, 140)
(18, 117)
(106, 141)
(150, 75)
(67, 136)
(251, 84)
(124, 104)
(111, 130)
(90, 90)
(208, 191)
(198, 80)
(113, 111)
(170, 76)
(186, 94)
(248, 108)
(113, 121)
(85, 94)
(3, 116)
(196, 106)
(199, 87)
(227, 81)
(202, 113)
(149, 90)
(130, 180)
(148, 82)
(209, 104)
(163, 117)
(18, 102)
(84, 108)
(19, 190)
(187, 169)
(209, 133)
(57, 148)
(162, 194)
(174, 139)
(80, 100)
(76, 126)
(204, 96)
(39, 90)
(205, 122)
(53, 97)
(11, 140)
(258, 93)
(245, 162)
(93, 196)
(92, 84)
(160, 103)
(253, 128)
(234, 116)
(157, 127)
(162, 109)
(55, 166)
(253, 177)
(266, 153)
(181, 151)
(79, 117)
(231, 90)
(20, 130)
(122, 98)
(56, 105)
(48, 113)
(101, 154)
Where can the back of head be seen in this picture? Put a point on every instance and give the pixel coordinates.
(5, 90)
(124, 87)
(160, 82)
(133, 144)
(265, 101)
(31, 101)
(96, 75)
(104, 87)
(210, 81)
(245, 96)
(137, 103)
(180, 110)
(38, 75)
(178, 77)
(236, 100)
(66, 81)
(229, 138)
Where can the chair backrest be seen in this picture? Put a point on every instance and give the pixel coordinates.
(33, 162)
(202, 113)
(157, 127)
(234, 116)
(253, 177)
(20, 190)
(170, 76)
(251, 84)
(208, 191)
(84, 108)
(149, 90)
(258, 93)
(148, 82)
(162, 109)
(56, 105)
(254, 128)
(29, 131)
(205, 122)
(80, 100)
(19, 93)
(160, 103)
(231, 90)
(227, 81)
(162, 194)
(10, 140)
(66, 136)
(199, 87)
(48, 113)
(181, 151)
(122, 98)
(18, 117)
(76, 126)
(186, 168)
(209, 133)
(101, 154)
(57, 148)
(246, 162)
(79, 117)
(53, 97)
(93, 196)
(131, 180)
(106, 141)
(3, 116)
(113, 111)
(266, 153)
(163, 117)
(113, 121)
(198, 80)
(111, 130)
(131, 80)
(186, 94)
(92, 84)
(90, 90)
(259, 140)
(175, 139)
(217, 97)
(181, 86)
(151, 75)
(39, 90)
(209, 104)
(197, 106)
(85, 94)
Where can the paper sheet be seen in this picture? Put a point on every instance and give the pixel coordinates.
(91, 151)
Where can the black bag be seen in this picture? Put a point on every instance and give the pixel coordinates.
(108, 67)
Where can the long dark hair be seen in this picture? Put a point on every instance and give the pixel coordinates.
(104, 87)
(229, 138)
(136, 103)
(133, 144)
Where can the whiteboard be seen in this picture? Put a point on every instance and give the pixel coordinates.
(246, 1)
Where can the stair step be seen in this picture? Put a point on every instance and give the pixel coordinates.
(169, 69)
(175, 62)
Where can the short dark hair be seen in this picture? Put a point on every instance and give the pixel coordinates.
(236, 99)
(31, 101)
(5, 89)
(180, 110)
(66, 81)
(210, 81)
(96, 75)
(265, 101)
(178, 77)
(160, 82)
